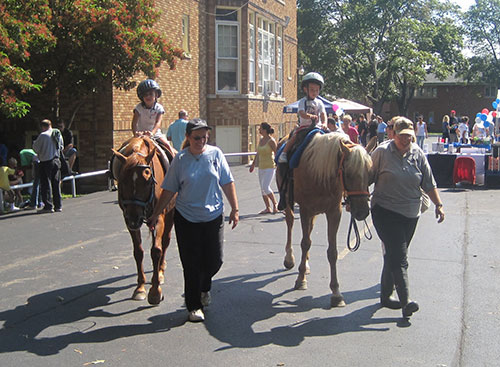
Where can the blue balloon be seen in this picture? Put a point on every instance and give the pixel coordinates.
(483, 116)
(495, 105)
(478, 114)
(486, 124)
(498, 101)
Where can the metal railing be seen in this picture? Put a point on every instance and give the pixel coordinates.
(73, 178)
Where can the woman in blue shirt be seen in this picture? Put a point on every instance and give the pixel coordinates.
(198, 175)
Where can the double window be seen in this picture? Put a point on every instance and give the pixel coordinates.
(270, 57)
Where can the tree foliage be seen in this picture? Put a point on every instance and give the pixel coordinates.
(23, 30)
(379, 50)
(482, 22)
(98, 42)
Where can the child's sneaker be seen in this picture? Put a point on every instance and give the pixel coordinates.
(13, 208)
(283, 158)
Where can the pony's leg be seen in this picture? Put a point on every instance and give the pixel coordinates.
(307, 222)
(155, 295)
(165, 242)
(140, 291)
(333, 218)
(289, 258)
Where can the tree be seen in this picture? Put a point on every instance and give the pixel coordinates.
(381, 50)
(22, 31)
(483, 31)
(98, 43)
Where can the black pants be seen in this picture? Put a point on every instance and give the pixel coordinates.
(200, 249)
(50, 176)
(396, 232)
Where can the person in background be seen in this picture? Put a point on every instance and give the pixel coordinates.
(47, 148)
(69, 149)
(381, 127)
(8, 178)
(445, 136)
(463, 130)
(177, 130)
(349, 129)
(421, 131)
(265, 161)
(400, 173)
(453, 126)
(333, 125)
(29, 160)
(372, 127)
(362, 129)
(198, 175)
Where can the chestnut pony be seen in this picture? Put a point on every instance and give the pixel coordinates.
(139, 172)
(331, 167)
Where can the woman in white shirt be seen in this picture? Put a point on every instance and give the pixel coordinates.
(421, 131)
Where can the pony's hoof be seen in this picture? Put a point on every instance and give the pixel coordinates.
(155, 299)
(289, 264)
(308, 269)
(301, 285)
(139, 295)
(337, 301)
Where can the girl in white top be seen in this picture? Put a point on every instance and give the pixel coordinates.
(421, 131)
(148, 113)
(463, 130)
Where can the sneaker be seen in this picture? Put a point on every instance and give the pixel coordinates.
(58, 210)
(196, 315)
(45, 210)
(283, 158)
(13, 209)
(205, 299)
(390, 302)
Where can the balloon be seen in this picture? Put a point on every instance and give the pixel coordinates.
(485, 111)
(478, 114)
(335, 107)
(497, 100)
(489, 117)
(486, 123)
(494, 114)
(495, 105)
(478, 120)
(483, 117)
(340, 111)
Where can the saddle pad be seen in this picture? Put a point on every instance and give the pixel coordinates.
(294, 160)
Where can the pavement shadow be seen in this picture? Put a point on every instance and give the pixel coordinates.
(51, 321)
(241, 305)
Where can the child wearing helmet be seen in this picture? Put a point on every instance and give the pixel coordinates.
(148, 113)
(311, 110)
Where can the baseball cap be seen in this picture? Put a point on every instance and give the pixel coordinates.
(404, 126)
(196, 124)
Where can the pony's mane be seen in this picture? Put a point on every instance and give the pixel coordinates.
(322, 157)
(134, 154)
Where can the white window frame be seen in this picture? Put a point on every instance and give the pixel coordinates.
(270, 61)
(251, 59)
(235, 24)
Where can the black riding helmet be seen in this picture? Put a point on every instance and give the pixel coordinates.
(145, 86)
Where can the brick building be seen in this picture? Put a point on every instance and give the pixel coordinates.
(437, 98)
(242, 70)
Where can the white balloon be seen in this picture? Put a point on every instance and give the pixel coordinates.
(478, 120)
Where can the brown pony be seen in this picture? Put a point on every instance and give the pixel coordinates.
(139, 172)
(330, 167)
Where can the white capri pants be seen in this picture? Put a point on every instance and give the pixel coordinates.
(266, 175)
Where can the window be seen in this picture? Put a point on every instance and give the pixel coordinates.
(185, 33)
(426, 92)
(270, 59)
(251, 53)
(227, 50)
(490, 91)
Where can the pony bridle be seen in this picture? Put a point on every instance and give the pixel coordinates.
(345, 192)
(147, 206)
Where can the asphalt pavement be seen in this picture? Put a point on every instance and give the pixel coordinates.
(67, 279)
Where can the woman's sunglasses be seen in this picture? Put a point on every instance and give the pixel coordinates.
(197, 138)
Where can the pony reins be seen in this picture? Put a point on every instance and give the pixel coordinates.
(347, 195)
